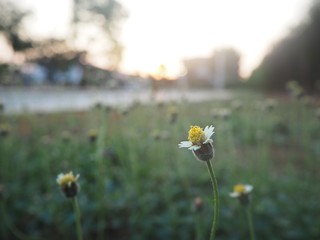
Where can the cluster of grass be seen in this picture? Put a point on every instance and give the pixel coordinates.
(137, 184)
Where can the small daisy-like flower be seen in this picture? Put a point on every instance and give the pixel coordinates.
(68, 184)
(242, 191)
(200, 142)
(4, 130)
(92, 135)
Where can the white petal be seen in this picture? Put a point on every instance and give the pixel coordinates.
(59, 177)
(194, 147)
(209, 140)
(208, 131)
(185, 144)
(248, 188)
(234, 194)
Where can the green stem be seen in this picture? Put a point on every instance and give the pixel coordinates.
(198, 226)
(250, 223)
(215, 200)
(78, 217)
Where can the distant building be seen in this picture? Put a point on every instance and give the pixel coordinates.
(69, 68)
(54, 63)
(218, 71)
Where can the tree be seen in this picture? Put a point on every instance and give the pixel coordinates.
(295, 57)
(107, 15)
(11, 18)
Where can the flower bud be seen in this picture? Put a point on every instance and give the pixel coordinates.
(198, 204)
(92, 135)
(205, 153)
(4, 130)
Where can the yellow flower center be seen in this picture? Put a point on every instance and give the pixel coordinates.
(68, 178)
(92, 133)
(239, 188)
(196, 134)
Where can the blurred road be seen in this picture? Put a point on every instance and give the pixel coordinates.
(52, 99)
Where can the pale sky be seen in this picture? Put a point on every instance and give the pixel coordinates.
(168, 31)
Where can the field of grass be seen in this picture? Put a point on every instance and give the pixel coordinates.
(137, 184)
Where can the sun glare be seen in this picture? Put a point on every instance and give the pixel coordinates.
(167, 32)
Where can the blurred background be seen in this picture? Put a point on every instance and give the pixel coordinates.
(108, 88)
(117, 43)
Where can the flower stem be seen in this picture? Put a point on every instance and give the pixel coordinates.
(78, 217)
(198, 226)
(215, 200)
(250, 223)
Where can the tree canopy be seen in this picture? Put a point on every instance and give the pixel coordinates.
(105, 15)
(11, 18)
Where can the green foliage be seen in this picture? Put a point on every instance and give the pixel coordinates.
(138, 186)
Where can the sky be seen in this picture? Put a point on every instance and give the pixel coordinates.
(168, 31)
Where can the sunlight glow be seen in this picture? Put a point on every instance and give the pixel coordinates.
(166, 32)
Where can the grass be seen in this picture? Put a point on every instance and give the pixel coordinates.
(137, 184)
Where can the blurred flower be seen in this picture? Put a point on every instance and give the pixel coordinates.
(110, 155)
(200, 142)
(4, 130)
(281, 127)
(66, 136)
(98, 105)
(173, 114)
(295, 89)
(223, 113)
(2, 189)
(92, 135)
(160, 104)
(156, 134)
(124, 111)
(270, 104)
(242, 191)
(108, 108)
(198, 204)
(1, 107)
(68, 184)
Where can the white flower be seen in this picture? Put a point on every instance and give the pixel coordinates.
(67, 179)
(68, 184)
(240, 190)
(197, 137)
